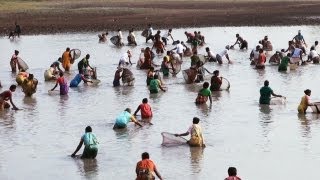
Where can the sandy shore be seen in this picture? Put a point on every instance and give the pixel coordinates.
(45, 17)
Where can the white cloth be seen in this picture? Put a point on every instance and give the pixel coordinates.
(179, 48)
(150, 31)
(211, 54)
(255, 54)
(223, 53)
(123, 58)
(296, 53)
(313, 54)
(165, 35)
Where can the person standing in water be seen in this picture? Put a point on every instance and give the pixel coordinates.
(66, 60)
(265, 93)
(232, 172)
(305, 102)
(14, 61)
(90, 145)
(145, 109)
(216, 81)
(7, 96)
(283, 66)
(204, 94)
(150, 33)
(145, 168)
(117, 77)
(261, 60)
(63, 83)
(155, 85)
(195, 131)
(124, 118)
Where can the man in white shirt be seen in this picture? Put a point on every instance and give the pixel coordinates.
(165, 36)
(123, 59)
(179, 49)
(222, 54)
(120, 42)
(150, 33)
(313, 56)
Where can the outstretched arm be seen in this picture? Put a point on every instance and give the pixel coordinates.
(157, 173)
(54, 87)
(138, 109)
(14, 106)
(183, 134)
(78, 148)
(273, 94)
(133, 119)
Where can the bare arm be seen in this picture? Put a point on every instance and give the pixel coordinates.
(210, 98)
(14, 106)
(133, 119)
(157, 173)
(138, 109)
(183, 134)
(54, 87)
(78, 148)
(227, 56)
(273, 94)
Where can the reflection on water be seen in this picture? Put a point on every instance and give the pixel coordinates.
(88, 167)
(196, 156)
(237, 130)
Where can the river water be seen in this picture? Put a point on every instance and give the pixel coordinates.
(262, 142)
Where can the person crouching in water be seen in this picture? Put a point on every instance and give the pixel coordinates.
(313, 56)
(90, 145)
(127, 77)
(305, 102)
(7, 96)
(124, 118)
(232, 172)
(63, 83)
(78, 78)
(262, 59)
(145, 109)
(204, 94)
(155, 85)
(29, 85)
(145, 168)
(195, 131)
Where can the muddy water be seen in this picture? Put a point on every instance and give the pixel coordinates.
(262, 142)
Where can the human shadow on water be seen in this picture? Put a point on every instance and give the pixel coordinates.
(196, 156)
(87, 167)
(123, 90)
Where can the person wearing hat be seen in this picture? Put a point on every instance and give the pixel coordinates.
(216, 81)
(222, 54)
(124, 118)
(123, 59)
(242, 43)
(265, 93)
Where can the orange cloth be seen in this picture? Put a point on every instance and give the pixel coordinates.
(145, 169)
(66, 60)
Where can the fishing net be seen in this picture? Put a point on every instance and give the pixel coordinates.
(169, 139)
(189, 75)
(22, 65)
(278, 100)
(114, 40)
(127, 77)
(174, 66)
(75, 53)
(225, 84)
(316, 107)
